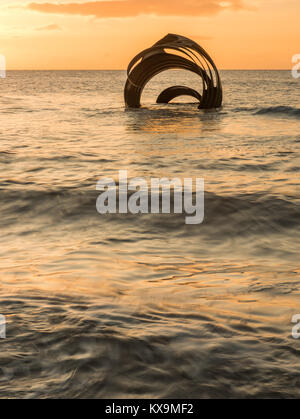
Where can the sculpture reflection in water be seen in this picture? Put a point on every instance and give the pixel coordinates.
(188, 56)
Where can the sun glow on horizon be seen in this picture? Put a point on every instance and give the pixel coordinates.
(83, 34)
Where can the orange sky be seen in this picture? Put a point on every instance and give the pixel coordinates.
(106, 34)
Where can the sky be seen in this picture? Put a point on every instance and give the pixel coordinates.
(106, 34)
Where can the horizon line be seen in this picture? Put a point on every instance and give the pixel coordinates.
(121, 69)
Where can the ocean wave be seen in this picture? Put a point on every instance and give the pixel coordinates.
(280, 110)
(235, 215)
(288, 111)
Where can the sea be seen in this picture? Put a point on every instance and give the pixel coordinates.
(145, 305)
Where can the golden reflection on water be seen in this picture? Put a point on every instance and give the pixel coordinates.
(167, 121)
(234, 290)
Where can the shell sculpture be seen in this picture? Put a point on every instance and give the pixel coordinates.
(174, 52)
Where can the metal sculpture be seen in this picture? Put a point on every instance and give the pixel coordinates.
(157, 59)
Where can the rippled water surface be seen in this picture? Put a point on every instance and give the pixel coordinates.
(144, 305)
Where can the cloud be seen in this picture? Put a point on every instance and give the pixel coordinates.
(51, 27)
(131, 8)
